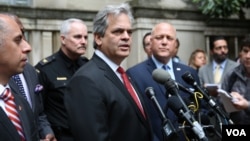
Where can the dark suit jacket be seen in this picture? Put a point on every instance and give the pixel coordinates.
(31, 78)
(101, 109)
(142, 75)
(8, 131)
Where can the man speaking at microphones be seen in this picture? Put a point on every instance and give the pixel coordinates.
(163, 40)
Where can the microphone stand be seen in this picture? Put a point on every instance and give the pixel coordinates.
(189, 79)
(214, 105)
(168, 128)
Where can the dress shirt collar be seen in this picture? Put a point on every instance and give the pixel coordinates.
(110, 63)
(222, 65)
(158, 64)
(169, 66)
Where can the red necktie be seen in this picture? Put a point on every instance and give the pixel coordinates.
(12, 113)
(130, 89)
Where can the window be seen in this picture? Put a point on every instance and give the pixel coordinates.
(16, 2)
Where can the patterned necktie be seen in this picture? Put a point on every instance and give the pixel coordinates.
(12, 113)
(20, 85)
(217, 74)
(130, 89)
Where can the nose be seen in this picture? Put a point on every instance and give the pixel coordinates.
(26, 47)
(224, 49)
(126, 35)
(84, 41)
(248, 54)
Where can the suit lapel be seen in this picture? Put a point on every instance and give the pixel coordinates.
(178, 72)
(13, 86)
(7, 125)
(31, 85)
(20, 107)
(210, 73)
(108, 72)
(151, 67)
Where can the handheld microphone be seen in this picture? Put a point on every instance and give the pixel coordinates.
(187, 77)
(163, 77)
(168, 127)
(178, 108)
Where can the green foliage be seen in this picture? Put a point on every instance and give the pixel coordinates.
(222, 8)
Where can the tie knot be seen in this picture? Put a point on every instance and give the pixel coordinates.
(120, 70)
(218, 66)
(6, 95)
(165, 67)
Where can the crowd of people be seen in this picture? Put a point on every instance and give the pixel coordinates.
(68, 97)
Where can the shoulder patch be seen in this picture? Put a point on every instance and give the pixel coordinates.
(47, 60)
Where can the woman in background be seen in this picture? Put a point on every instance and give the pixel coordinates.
(197, 59)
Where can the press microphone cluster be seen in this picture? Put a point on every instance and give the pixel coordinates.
(176, 103)
(168, 127)
(178, 108)
(188, 78)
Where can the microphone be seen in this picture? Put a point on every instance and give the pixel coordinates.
(178, 108)
(168, 127)
(188, 78)
(163, 77)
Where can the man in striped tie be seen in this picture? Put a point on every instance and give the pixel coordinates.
(16, 118)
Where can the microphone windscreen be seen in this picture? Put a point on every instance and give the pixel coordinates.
(161, 76)
(187, 77)
(150, 92)
(174, 104)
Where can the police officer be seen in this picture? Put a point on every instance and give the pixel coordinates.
(55, 71)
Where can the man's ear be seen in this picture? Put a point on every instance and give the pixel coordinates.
(98, 39)
(62, 39)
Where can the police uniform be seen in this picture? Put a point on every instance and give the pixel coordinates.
(54, 73)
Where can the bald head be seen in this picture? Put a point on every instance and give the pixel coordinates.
(164, 27)
(163, 41)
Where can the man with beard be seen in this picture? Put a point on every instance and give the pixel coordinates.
(214, 72)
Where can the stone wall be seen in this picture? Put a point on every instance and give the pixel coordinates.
(42, 20)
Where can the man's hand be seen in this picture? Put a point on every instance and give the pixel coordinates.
(239, 101)
(49, 137)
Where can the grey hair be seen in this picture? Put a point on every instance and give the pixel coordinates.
(65, 26)
(100, 22)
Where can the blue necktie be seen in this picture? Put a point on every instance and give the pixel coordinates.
(164, 67)
(20, 85)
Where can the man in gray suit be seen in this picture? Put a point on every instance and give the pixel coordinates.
(13, 58)
(219, 52)
(32, 92)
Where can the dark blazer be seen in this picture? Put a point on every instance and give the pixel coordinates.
(8, 131)
(142, 75)
(31, 78)
(101, 109)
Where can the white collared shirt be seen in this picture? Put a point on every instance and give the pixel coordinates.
(169, 66)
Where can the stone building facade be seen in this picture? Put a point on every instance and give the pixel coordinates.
(42, 18)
